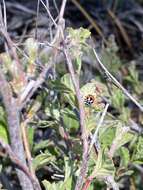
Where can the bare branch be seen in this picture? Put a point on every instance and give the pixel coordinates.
(4, 13)
(94, 138)
(114, 80)
(53, 52)
(27, 148)
(37, 15)
(61, 14)
(13, 120)
(34, 85)
(19, 164)
(84, 164)
(55, 5)
(51, 17)
(4, 32)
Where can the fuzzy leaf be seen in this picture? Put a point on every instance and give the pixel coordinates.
(3, 133)
(110, 57)
(70, 97)
(42, 160)
(70, 119)
(125, 157)
(118, 99)
(107, 133)
(49, 186)
(31, 47)
(31, 136)
(41, 145)
(104, 165)
(77, 41)
(122, 137)
(137, 156)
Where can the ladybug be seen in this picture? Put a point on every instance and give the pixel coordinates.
(89, 100)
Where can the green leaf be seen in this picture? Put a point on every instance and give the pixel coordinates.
(62, 185)
(69, 97)
(31, 47)
(122, 172)
(41, 145)
(94, 87)
(79, 35)
(56, 186)
(42, 160)
(125, 114)
(45, 124)
(137, 156)
(129, 173)
(67, 81)
(47, 184)
(77, 41)
(91, 121)
(67, 184)
(3, 118)
(67, 168)
(104, 165)
(3, 126)
(52, 112)
(109, 56)
(1, 168)
(31, 136)
(70, 119)
(78, 64)
(118, 99)
(88, 88)
(59, 86)
(50, 186)
(133, 78)
(123, 136)
(133, 73)
(4, 133)
(125, 157)
(107, 133)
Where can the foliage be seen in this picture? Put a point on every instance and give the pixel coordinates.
(53, 117)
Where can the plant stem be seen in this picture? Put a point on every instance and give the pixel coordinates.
(114, 80)
(94, 138)
(84, 164)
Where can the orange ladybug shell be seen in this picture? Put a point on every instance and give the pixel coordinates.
(89, 100)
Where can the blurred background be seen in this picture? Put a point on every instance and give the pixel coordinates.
(123, 19)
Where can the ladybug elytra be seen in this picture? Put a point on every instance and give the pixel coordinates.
(89, 100)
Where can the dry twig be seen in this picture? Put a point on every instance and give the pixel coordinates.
(13, 120)
(94, 138)
(84, 164)
(60, 33)
(114, 81)
(19, 164)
